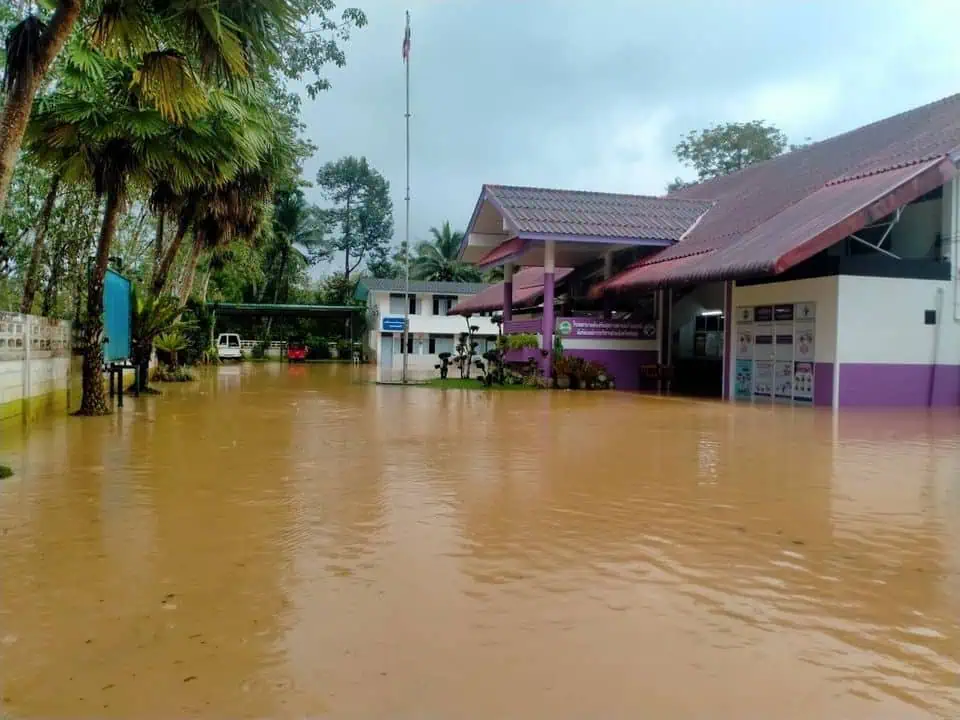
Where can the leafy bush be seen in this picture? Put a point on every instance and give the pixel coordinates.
(259, 350)
(5, 472)
(520, 341)
(169, 346)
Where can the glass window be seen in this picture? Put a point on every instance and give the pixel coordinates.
(234, 341)
(396, 304)
(413, 304)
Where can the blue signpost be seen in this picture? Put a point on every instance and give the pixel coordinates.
(116, 317)
(393, 324)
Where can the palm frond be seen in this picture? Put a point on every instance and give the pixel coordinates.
(23, 45)
(164, 78)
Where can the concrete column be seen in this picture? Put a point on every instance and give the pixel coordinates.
(727, 337)
(549, 263)
(508, 292)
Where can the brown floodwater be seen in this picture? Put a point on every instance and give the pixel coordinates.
(279, 541)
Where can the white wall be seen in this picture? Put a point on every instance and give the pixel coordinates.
(34, 361)
(425, 321)
(882, 321)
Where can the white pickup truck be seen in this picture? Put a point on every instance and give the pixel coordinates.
(228, 346)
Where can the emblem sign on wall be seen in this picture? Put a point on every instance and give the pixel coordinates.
(775, 352)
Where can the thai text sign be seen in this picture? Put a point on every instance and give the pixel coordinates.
(589, 327)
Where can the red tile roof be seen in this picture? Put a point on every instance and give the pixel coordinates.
(764, 212)
(818, 221)
(527, 291)
(578, 214)
(503, 252)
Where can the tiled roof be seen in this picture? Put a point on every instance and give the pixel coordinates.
(527, 290)
(739, 235)
(397, 285)
(578, 214)
(818, 221)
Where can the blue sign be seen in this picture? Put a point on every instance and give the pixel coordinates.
(116, 317)
(393, 324)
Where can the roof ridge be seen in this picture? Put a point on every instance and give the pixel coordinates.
(840, 179)
(494, 186)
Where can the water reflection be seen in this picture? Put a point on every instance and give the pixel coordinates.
(289, 541)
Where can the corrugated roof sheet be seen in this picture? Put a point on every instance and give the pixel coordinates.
(527, 291)
(503, 252)
(816, 222)
(594, 215)
(747, 199)
(396, 285)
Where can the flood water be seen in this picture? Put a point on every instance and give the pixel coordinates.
(279, 541)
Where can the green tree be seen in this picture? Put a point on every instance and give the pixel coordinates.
(361, 219)
(438, 259)
(726, 148)
(386, 264)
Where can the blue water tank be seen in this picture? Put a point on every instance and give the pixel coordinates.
(116, 317)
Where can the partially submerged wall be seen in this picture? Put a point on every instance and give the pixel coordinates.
(35, 366)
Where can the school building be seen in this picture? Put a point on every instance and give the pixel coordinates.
(826, 276)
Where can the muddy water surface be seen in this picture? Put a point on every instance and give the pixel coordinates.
(282, 541)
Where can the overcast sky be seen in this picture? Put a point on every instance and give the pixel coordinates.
(593, 95)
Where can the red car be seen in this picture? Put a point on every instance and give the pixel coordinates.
(296, 351)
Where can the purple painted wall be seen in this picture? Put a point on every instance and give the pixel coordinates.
(624, 365)
(823, 384)
(888, 385)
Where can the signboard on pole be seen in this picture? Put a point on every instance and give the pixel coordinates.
(393, 324)
(599, 328)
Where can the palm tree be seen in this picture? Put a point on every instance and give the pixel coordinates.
(216, 39)
(151, 316)
(438, 259)
(101, 126)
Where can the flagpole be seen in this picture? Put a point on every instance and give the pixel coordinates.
(406, 304)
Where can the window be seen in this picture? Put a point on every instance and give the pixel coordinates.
(409, 344)
(442, 304)
(396, 304)
(440, 343)
(234, 341)
(413, 304)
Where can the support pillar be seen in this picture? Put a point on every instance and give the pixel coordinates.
(549, 263)
(727, 338)
(508, 292)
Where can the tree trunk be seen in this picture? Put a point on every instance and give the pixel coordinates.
(36, 257)
(162, 272)
(140, 355)
(158, 242)
(94, 401)
(284, 258)
(16, 110)
(346, 242)
(191, 271)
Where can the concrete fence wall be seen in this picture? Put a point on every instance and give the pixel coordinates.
(35, 366)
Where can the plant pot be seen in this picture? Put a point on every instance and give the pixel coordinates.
(563, 382)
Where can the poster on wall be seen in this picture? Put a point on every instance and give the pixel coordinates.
(803, 382)
(763, 378)
(743, 382)
(783, 380)
(745, 344)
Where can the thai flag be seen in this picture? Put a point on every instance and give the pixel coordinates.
(406, 40)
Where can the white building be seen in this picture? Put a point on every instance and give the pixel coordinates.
(432, 331)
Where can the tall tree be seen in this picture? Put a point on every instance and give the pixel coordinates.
(217, 39)
(361, 219)
(726, 148)
(438, 259)
(388, 262)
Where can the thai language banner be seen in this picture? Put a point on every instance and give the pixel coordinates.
(587, 327)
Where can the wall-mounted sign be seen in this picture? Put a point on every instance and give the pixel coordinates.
(392, 324)
(598, 328)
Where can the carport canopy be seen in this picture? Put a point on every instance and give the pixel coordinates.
(278, 310)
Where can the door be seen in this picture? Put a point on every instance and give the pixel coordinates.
(386, 351)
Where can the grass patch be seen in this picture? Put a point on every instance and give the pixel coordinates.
(471, 384)
(5, 472)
